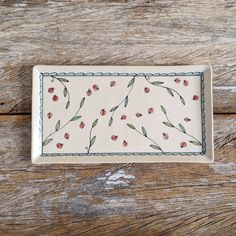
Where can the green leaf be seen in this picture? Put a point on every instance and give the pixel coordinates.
(144, 131)
(92, 141)
(65, 92)
(82, 102)
(157, 82)
(168, 124)
(110, 121)
(182, 100)
(94, 123)
(62, 79)
(46, 142)
(126, 101)
(113, 108)
(182, 128)
(131, 126)
(163, 109)
(170, 92)
(57, 125)
(67, 104)
(75, 118)
(155, 147)
(195, 143)
(131, 82)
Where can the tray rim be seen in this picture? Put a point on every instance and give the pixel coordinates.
(205, 73)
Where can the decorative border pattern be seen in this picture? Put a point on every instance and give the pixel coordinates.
(201, 74)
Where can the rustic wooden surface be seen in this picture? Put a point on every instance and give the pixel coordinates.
(115, 199)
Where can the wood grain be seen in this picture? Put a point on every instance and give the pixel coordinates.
(116, 199)
(115, 33)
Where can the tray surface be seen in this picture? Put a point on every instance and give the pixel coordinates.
(121, 114)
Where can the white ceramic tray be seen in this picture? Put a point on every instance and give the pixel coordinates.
(97, 114)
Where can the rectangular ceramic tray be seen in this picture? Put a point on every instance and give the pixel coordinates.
(101, 114)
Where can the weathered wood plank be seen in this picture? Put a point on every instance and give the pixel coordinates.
(115, 32)
(15, 87)
(116, 199)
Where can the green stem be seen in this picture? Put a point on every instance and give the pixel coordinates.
(62, 127)
(127, 95)
(149, 139)
(165, 87)
(68, 94)
(90, 134)
(181, 130)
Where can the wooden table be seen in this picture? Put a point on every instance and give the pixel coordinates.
(115, 199)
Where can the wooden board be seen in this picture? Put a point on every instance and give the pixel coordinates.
(114, 198)
(111, 199)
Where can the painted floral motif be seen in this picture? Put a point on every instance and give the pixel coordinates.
(177, 80)
(123, 101)
(154, 144)
(150, 110)
(82, 125)
(165, 136)
(146, 90)
(103, 112)
(89, 92)
(113, 83)
(49, 115)
(55, 98)
(138, 114)
(58, 125)
(114, 137)
(123, 117)
(185, 83)
(65, 90)
(59, 145)
(181, 129)
(91, 139)
(51, 90)
(125, 143)
(170, 91)
(66, 135)
(95, 87)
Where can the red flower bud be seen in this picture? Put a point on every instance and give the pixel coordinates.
(187, 119)
(195, 97)
(66, 136)
(89, 92)
(55, 98)
(81, 125)
(138, 114)
(125, 143)
(165, 136)
(95, 87)
(177, 80)
(123, 117)
(103, 112)
(146, 90)
(185, 82)
(51, 90)
(114, 137)
(113, 83)
(150, 110)
(49, 115)
(183, 144)
(59, 145)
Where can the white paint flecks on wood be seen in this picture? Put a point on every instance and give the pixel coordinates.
(119, 178)
(228, 168)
